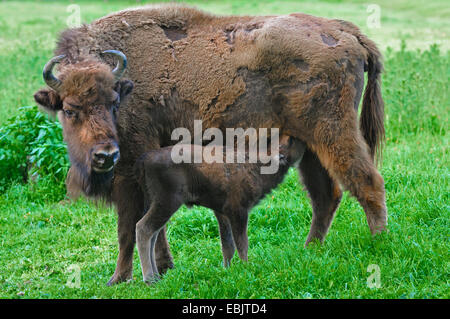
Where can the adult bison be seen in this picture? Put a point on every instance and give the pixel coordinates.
(299, 73)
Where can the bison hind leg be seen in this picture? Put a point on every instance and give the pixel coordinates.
(325, 195)
(239, 222)
(226, 237)
(349, 162)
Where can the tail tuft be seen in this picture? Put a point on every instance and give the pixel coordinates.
(372, 114)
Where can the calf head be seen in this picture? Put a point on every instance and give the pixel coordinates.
(86, 97)
(291, 150)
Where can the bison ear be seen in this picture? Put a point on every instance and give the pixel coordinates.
(49, 100)
(124, 87)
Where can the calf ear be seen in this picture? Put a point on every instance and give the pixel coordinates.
(124, 87)
(285, 140)
(49, 100)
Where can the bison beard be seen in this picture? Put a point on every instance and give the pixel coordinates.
(299, 73)
(93, 184)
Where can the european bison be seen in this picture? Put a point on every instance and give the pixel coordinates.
(230, 189)
(299, 73)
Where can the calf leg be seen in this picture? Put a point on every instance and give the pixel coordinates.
(226, 238)
(239, 220)
(164, 259)
(324, 192)
(128, 199)
(147, 230)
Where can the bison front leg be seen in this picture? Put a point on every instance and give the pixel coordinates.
(126, 235)
(129, 204)
(325, 195)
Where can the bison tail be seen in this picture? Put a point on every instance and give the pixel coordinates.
(372, 114)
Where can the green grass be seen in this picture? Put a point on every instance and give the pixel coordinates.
(40, 237)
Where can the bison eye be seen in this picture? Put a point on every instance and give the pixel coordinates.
(69, 113)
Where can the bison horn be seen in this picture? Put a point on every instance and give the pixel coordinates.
(121, 65)
(52, 81)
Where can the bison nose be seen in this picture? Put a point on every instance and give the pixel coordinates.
(104, 160)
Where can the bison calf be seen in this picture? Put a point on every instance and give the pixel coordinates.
(230, 189)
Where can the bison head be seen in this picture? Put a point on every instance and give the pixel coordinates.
(86, 96)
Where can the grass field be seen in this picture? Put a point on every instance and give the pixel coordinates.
(42, 240)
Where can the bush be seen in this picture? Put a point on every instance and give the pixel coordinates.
(31, 146)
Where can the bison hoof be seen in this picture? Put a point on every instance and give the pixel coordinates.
(380, 230)
(163, 267)
(152, 279)
(115, 279)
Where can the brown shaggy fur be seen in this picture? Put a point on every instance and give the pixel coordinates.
(229, 189)
(302, 74)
